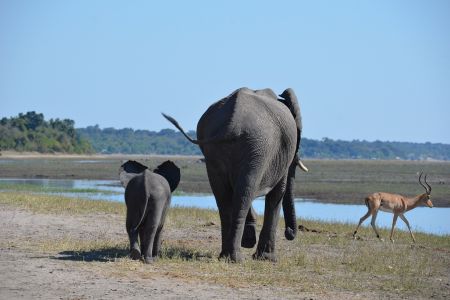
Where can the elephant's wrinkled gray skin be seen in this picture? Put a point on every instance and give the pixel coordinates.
(147, 196)
(250, 140)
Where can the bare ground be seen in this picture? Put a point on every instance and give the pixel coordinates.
(26, 273)
(30, 272)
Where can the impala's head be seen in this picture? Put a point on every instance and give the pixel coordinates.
(426, 197)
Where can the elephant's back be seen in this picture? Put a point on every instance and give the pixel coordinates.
(156, 184)
(243, 112)
(145, 185)
(252, 128)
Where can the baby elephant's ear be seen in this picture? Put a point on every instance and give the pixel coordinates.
(170, 172)
(129, 170)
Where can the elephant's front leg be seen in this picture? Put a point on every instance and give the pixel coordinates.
(266, 244)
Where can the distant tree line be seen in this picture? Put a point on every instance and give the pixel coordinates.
(31, 132)
(356, 149)
(129, 141)
(168, 141)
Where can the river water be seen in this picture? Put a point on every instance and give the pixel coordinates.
(435, 220)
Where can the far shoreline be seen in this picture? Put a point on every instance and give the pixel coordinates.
(17, 155)
(329, 181)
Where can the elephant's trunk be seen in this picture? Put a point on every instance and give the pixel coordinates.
(290, 218)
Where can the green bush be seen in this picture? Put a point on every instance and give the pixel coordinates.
(30, 132)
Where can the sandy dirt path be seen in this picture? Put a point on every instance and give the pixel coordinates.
(29, 273)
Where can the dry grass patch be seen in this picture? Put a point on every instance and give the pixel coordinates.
(326, 259)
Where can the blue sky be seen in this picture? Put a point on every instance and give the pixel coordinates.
(373, 70)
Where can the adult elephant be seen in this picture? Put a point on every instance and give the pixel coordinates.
(250, 141)
(147, 196)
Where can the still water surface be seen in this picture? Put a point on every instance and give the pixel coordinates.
(435, 220)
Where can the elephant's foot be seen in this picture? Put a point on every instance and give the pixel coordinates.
(231, 256)
(265, 251)
(270, 256)
(249, 236)
(149, 259)
(135, 254)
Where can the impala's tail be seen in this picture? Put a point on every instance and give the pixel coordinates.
(366, 201)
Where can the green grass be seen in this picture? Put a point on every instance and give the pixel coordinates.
(328, 260)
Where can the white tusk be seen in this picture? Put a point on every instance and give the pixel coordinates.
(302, 166)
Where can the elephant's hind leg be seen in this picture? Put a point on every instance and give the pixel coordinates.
(158, 241)
(266, 244)
(147, 235)
(223, 193)
(243, 196)
(149, 231)
(135, 253)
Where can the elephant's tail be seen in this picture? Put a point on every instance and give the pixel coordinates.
(175, 123)
(133, 230)
(197, 142)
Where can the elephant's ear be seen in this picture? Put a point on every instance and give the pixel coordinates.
(129, 170)
(170, 172)
(290, 100)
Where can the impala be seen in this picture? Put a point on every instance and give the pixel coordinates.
(396, 204)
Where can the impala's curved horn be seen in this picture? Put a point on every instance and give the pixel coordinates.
(426, 188)
(429, 187)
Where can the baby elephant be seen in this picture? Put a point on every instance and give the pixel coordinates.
(147, 196)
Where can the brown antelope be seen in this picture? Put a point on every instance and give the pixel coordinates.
(396, 204)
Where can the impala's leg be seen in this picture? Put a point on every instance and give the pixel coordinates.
(407, 224)
(360, 222)
(394, 220)
(372, 222)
